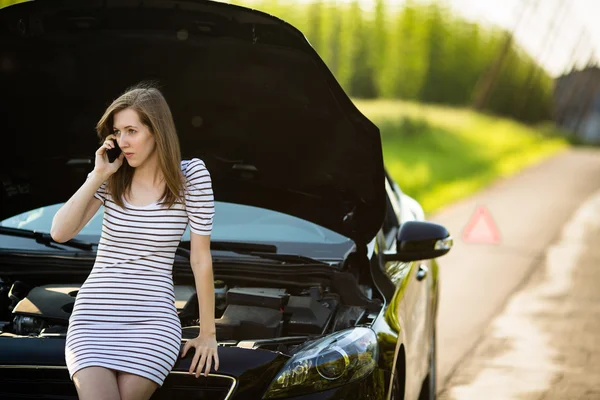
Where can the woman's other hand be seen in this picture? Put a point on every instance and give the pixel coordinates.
(102, 166)
(205, 353)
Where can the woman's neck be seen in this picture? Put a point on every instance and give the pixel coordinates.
(149, 173)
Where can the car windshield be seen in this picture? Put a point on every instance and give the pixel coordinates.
(232, 223)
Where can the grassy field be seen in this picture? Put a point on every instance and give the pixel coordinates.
(439, 155)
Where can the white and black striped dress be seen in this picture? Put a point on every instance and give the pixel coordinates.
(124, 317)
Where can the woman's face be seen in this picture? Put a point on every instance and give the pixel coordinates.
(134, 138)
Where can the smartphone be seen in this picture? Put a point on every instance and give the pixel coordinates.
(113, 153)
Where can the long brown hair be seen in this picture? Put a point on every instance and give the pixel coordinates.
(155, 114)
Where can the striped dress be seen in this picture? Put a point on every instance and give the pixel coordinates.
(124, 317)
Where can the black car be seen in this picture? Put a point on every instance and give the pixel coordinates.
(325, 274)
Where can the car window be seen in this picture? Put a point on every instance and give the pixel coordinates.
(232, 222)
(390, 223)
(393, 186)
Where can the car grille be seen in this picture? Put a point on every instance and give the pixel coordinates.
(32, 382)
(36, 383)
(182, 385)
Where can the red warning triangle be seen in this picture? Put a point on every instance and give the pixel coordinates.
(481, 228)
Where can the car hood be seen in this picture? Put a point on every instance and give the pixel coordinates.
(248, 93)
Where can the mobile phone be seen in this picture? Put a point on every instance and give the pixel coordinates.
(114, 152)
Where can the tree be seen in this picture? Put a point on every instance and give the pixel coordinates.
(435, 85)
(379, 43)
(355, 73)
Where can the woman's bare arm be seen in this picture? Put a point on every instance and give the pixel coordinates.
(82, 206)
(206, 343)
(76, 212)
(201, 262)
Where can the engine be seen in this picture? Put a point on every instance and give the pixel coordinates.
(241, 312)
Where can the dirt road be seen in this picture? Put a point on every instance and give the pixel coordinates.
(477, 280)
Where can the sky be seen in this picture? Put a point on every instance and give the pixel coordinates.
(576, 32)
(575, 35)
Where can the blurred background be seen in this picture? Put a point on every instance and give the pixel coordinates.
(464, 91)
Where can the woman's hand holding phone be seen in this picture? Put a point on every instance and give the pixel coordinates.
(103, 165)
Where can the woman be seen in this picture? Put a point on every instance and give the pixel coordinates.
(124, 334)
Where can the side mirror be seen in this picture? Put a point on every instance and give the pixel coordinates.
(420, 240)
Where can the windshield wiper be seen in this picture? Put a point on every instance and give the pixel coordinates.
(242, 247)
(266, 251)
(45, 238)
(295, 258)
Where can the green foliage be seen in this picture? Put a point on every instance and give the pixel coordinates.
(422, 52)
(355, 72)
(439, 155)
(406, 67)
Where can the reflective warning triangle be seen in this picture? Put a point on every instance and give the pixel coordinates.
(481, 228)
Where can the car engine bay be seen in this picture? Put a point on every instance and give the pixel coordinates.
(242, 313)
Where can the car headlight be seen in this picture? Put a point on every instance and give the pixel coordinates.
(326, 363)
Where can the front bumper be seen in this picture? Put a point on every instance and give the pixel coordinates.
(244, 374)
(35, 382)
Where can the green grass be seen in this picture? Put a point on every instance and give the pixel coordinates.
(439, 155)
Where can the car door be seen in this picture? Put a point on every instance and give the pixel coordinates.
(411, 279)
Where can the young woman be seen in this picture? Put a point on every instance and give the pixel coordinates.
(124, 334)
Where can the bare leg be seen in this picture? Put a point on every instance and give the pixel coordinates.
(135, 387)
(96, 383)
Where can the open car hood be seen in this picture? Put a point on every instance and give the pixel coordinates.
(248, 94)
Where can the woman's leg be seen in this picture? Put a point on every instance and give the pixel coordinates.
(96, 383)
(135, 387)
